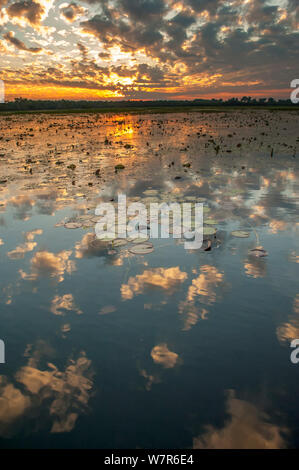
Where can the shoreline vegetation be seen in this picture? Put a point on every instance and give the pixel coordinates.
(24, 106)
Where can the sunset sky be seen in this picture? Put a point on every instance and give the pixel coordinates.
(148, 49)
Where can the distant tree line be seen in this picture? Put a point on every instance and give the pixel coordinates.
(24, 104)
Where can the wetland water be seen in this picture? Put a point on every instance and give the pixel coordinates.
(105, 348)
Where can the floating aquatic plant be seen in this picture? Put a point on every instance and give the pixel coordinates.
(119, 242)
(138, 240)
(240, 234)
(72, 225)
(142, 249)
(209, 231)
(210, 221)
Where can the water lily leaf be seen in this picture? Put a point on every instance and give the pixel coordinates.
(138, 239)
(150, 199)
(240, 234)
(142, 249)
(108, 237)
(72, 225)
(210, 221)
(209, 231)
(60, 224)
(119, 242)
(85, 217)
(88, 223)
(150, 192)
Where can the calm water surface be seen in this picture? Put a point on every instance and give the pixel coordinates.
(174, 349)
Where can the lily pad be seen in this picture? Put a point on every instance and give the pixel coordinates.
(150, 199)
(72, 225)
(107, 237)
(210, 221)
(89, 223)
(150, 192)
(119, 242)
(138, 240)
(240, 234)
(95, 219)
(209, 231)
(60, 224)
(142, 249)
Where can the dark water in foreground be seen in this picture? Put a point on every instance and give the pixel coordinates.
(174, 349)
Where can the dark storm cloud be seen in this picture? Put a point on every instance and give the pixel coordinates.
(19, 44)
(143, 10)
(177, 27)
(129, 37)
(30, 10)
(152, 74)
(205, 5)
(146, 37)
(250, 39)
(104, 28)
(104, 55)
(83, 49)
(72, 11)
(238, 51)
(262, 14)
(183, 20)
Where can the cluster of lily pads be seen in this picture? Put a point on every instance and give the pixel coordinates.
(141, 245)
